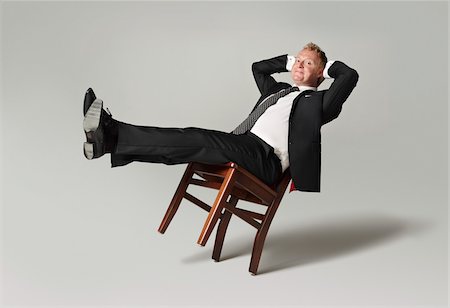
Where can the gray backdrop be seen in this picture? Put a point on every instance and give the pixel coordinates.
(76, 232)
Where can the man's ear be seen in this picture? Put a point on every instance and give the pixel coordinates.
(320, 73)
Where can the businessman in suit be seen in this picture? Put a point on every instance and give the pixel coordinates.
(282, 131)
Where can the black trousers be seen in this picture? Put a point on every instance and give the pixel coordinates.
(183, 145)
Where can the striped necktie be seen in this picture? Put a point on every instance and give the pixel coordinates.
(248, 123)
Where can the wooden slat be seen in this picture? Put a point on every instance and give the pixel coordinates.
(244, 215)
(252, 214)
(205, 183)
(197, 201)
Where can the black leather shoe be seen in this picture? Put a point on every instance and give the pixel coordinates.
(89, 98)
(100, 130)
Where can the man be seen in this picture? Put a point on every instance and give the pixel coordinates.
(283, 130)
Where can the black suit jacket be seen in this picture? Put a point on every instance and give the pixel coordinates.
(310, 110)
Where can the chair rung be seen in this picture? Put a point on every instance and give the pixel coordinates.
(245, 215)
(197, 201)
(254, 215)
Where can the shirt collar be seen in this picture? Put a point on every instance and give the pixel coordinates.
(303, 88)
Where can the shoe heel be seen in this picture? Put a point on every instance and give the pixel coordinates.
(89, 150)
(92, 118)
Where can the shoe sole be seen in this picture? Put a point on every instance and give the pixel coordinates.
(91, 123)
(88, 150)
(89, 98)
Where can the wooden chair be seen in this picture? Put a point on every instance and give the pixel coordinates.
(233, 183)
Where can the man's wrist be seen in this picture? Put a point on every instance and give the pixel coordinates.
(327, 67)
(290, 63)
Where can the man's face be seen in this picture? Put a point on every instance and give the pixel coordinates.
(307, 69)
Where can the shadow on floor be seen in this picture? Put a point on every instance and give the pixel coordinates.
(292, 246)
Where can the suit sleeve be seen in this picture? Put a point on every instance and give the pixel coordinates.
(263, 70)
(345, 79)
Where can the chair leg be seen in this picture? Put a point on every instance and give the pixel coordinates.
(222, 229)
(261, 237)
(177, 198)
(216, 209)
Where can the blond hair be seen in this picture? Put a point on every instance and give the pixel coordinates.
(319, 51)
